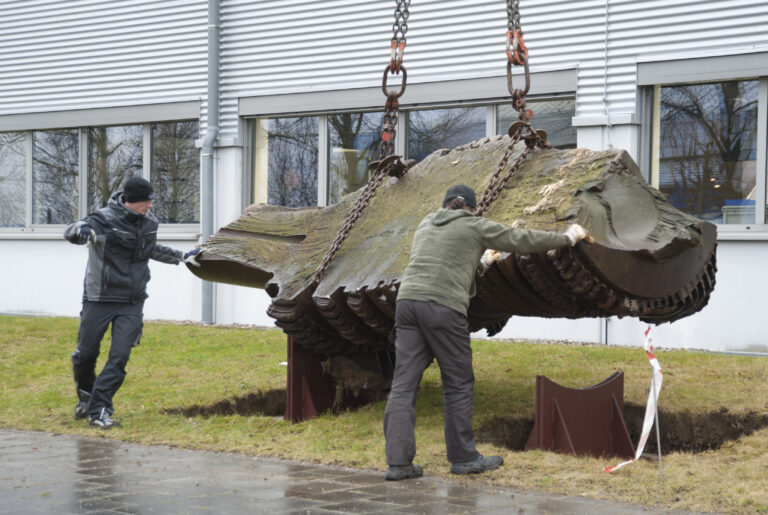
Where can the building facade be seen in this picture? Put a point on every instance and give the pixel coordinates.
(225, 103)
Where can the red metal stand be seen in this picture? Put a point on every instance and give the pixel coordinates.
(581, 421)
(309, 391)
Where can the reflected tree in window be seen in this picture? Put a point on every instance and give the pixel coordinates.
(553, 116)
(707, 149)
(55, 168)
(292, 161)
(12, 179)
(434, 129)
(175, 173)
(354, 142)
(115, 155)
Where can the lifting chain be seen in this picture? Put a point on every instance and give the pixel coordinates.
(388, 164)
(517, 54)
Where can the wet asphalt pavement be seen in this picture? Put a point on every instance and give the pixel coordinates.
(66, 474)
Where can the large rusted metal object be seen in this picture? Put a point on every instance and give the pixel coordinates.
(648, 260)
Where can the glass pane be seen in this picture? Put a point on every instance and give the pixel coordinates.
(707, 149)
(114, 156)
(13, 172)
(291, 148)
(55, 167)
(443, 128)
(553, 116)
(175, 173)
(354, 142)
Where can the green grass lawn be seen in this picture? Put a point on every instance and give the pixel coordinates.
(180, 366)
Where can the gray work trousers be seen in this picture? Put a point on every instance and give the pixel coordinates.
(427, 330)
(127, 322)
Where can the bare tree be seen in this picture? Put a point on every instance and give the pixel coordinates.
(55, 167)
(12, 179)
(176, 172)
(707, 132)
(115, 155)
(292, 168)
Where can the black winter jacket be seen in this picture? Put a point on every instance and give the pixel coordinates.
(124, 242)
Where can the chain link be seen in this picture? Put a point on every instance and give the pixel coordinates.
(513, 16)
(517, 54)
(388, 164)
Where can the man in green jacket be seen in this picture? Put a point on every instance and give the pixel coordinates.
(431, 322)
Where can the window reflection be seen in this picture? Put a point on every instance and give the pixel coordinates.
(286, 153)
(707, 149)
(553, 116)
(114, 155)
(12, 179)
(433, 129)
(175, 173)
(354, 142)
(55, 168)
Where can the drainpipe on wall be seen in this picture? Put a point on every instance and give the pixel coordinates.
(207, 153)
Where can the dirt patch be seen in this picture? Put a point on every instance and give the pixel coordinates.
(680, 432)
(270, 403)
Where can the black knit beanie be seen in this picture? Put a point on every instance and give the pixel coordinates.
(137, 189)
(463, 191)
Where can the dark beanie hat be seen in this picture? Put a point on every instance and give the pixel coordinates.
(460, 190)
(137, 189)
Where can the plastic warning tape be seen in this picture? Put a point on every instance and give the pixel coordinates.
(653, 399)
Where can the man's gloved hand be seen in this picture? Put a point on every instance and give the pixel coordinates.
(85, 234)
(575, 233)
(487, 259)
(489, 256)
(190, 256)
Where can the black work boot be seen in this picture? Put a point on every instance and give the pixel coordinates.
(83, 400)
(478, 465)
(103, 420)
(400, 472)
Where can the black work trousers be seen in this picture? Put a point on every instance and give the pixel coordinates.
(127, 321)
(427, 330)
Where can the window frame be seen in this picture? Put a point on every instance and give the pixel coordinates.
(48, 230)
(401, 136)
(650, 139)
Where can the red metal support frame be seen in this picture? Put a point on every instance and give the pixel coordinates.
(581, 421)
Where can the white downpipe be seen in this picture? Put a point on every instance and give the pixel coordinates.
(207, 153)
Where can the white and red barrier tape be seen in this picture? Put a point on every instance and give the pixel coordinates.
(653, 399)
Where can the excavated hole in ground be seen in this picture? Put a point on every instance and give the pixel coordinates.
(685, 432)
(680, 431)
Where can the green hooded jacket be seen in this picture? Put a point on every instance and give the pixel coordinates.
(446, 252)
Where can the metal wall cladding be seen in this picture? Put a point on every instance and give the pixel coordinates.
(79, 54)
(75, 54)
(279, 46)
(648, 30)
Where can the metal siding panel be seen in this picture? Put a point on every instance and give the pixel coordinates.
(271, 47)
(657, 29)
(83, 54)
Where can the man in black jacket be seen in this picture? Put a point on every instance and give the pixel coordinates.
(121, 238)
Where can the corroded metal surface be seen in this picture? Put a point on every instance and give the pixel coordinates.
(648, 260)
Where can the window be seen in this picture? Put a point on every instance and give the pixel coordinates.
(433, 129)
(552, 116)
(114, 155)
(286, 157)
(60, 170)
(55, 171)
(354, 142)
(704, 157)
(12, 179)
(175, 173)
(316, 160)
